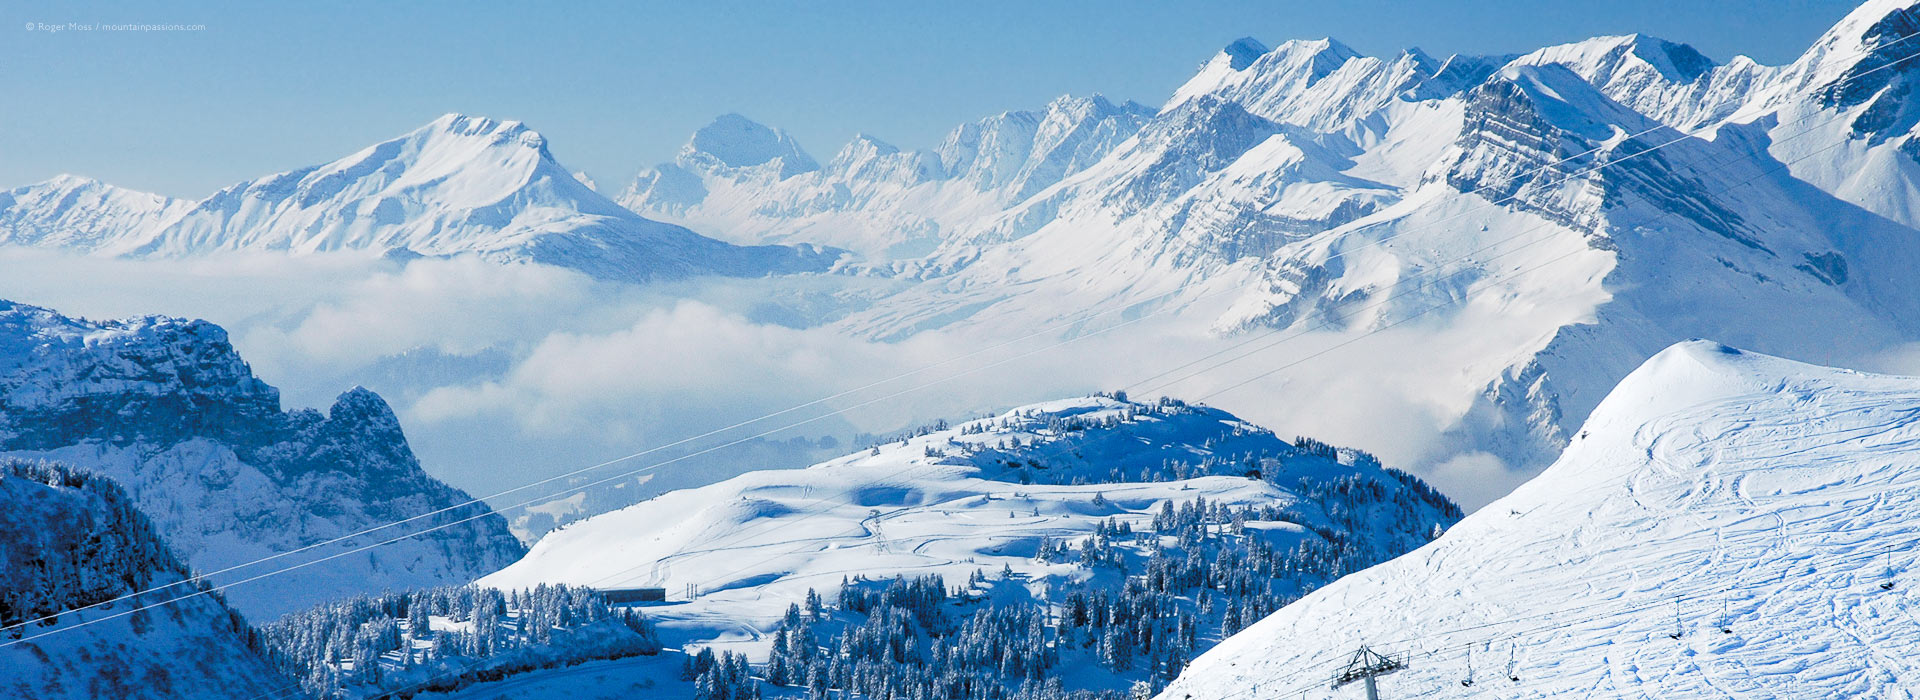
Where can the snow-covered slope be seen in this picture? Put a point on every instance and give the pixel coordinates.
(460, 185)
(167, 409)
(69, 539)
(1752, 505)
(753, 184)
(983, 495)
(80, 213)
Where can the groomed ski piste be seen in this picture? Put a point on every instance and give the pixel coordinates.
(1726, 525)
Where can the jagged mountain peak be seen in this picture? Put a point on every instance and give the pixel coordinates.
(1085, 106)
(362, 406)
(1243, 52)
(866, 159)
(495, 131)
(734, 141)
(1602, 59)
(1303, 61)
(865, 141)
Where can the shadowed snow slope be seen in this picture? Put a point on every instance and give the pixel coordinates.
(1744, 502)
(79, 540)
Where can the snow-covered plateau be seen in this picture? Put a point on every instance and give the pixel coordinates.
(1025, 507)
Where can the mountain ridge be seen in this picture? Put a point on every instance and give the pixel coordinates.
(459, 185)
(166, 408)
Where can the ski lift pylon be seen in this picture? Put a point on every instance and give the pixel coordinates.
(1887, 561)
(1366, 665)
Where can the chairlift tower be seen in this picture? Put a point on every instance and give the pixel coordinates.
(1367, 665)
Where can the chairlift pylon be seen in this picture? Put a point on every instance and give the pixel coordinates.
(1468, 681)
(1513, 661)
(1887, 561)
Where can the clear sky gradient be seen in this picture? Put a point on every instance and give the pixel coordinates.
(267, 87)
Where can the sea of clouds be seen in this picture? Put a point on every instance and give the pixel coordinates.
(503, 374)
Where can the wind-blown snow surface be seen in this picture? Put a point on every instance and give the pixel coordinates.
(460, 185)
(1723, 487)
(951, 502)
(167, 409)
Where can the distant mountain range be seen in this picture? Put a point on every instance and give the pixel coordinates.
(1557, 216)
(460, 185)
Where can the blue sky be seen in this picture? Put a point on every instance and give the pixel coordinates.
(273, 86)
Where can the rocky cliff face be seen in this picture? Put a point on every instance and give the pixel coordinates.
(169, 410)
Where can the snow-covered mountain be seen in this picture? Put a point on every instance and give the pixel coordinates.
(1556, 217)
(1762, 510)
(79, 213)
(754, 184)
(70, 539)
(460, 185)
(1039, 492)
(167, 409)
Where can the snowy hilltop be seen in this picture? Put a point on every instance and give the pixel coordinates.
(1556, 216)
(79, 540)
(1724, 522)
(167, 409)
(460, 185)
(1063, 502)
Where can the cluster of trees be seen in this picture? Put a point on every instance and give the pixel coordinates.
(391, 644)
(723, 677)
(63, 554)
(905, 642)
